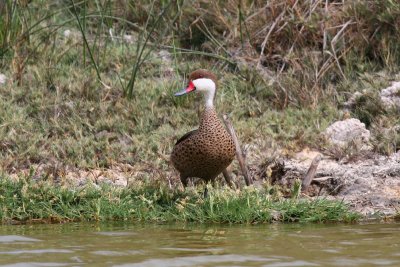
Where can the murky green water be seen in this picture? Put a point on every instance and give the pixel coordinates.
(190, 245)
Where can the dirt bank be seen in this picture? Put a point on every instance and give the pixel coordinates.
(370, 185)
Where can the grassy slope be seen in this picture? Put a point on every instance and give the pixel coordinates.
(54, 113)
(40, 124)
(68, 119)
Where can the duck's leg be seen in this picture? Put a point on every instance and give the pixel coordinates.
(212, 182)
(228, 178)
(205, 193)
(184, 181)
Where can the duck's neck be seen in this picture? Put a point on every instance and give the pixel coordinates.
(209, 99)
(208, 119)
(209, 116)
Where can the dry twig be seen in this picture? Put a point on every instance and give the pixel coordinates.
(310, 173)
(239, 153)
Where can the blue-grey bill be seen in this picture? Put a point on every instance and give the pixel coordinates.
(182, 92)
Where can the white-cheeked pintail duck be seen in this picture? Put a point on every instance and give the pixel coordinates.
(206, 152)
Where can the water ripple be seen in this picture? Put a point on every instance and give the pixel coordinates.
(35, 251)
(16, 238)
(194, 249)
(35, 264)
(115, 253)
(116, 233)
(198, 260)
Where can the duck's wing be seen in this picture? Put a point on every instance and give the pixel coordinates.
(186, 136)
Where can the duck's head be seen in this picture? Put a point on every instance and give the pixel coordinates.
(202, 81)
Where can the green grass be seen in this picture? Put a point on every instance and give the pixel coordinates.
(27, 201)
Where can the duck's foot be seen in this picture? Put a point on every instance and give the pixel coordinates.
(228, 179)
(205, 193)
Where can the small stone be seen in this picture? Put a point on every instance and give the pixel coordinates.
(165, 56)
(390, 96)
(352, 100)
(67, 33)
(70, 104)
(128, 38)
(3, 79)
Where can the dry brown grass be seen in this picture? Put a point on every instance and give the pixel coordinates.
(299, 50)
(302, 46)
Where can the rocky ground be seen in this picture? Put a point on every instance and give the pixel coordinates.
(370, 186)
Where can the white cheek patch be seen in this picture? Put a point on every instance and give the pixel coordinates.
(207, 87)
(204, 84)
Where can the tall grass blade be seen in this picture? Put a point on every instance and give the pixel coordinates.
(82, 30)
(141, 46)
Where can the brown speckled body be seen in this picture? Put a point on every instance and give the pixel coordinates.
(206, 152)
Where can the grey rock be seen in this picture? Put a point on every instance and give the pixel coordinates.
(341, 133)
